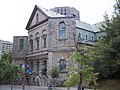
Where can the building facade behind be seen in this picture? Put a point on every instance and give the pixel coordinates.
(67, 11)
(20, 48)
(5, 46)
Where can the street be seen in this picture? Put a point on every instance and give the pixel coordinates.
(16, 87)
(19, 87)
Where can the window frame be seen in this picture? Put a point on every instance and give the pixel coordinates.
(21, 45)
(31, 44)
(62, 64)
(62, 30)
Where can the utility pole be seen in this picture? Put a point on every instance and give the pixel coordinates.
(23, 83)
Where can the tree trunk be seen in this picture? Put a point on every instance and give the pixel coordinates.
(80, 84)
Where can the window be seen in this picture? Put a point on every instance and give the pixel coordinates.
(58, 10)
(37, 69)
(37, 43)
(86, 37)
(37, 18)
(92, 38)
(44, 41)
(62, 64)
(62, 30)
(31, 65)
(79, 36)
(31, 45)
(99, 37)
(21, 44)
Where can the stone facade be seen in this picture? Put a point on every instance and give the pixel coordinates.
(20, 48)
(50, 42)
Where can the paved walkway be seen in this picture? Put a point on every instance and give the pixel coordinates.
(19, 87)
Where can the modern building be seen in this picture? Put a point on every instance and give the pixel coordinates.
(50, 40)
(67, 11)
(5, 46)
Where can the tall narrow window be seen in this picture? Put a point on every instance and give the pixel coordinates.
(62, 30)
(37, 69)
(79, 36)
(92, 38)
(21, 44)
(37, 18)
(86, 37)
(37, 43)
(44, 41)
(62, 64)
(31, 45)
(31, 65)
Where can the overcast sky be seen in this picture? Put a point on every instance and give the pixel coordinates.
(14, 14)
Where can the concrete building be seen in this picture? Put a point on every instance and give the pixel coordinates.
(67, 11)
(50, 40)
(5, 46)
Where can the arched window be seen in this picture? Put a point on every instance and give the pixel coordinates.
(31, 42)
(44, 38)
(44, 41)
(92, 38)
(99, 37)
(62, 30)
(62, 64)
(31, 45)
(86, 37)
(79, 36)
(37, 41)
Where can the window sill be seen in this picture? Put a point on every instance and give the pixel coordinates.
(62, 39)
(63, 71)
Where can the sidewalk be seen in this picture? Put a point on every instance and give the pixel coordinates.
(19, 87)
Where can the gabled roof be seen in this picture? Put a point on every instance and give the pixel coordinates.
(96, 27)
(47, 13)
(93, 28)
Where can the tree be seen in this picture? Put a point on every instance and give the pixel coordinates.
(54, 73)
(83, 74)
(8, 71)
(108, 48)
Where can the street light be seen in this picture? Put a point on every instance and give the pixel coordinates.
(23, 84)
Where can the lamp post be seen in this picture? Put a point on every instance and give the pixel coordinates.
(23, 84)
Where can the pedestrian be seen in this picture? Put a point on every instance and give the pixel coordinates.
(50, 85)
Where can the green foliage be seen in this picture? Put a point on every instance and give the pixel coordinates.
(8, 71)
(108, 48)
(54, 73)
(85, 67)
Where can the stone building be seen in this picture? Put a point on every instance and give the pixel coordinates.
(50, 40)
(20, 48)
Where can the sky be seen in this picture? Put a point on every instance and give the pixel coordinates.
(14, 14)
